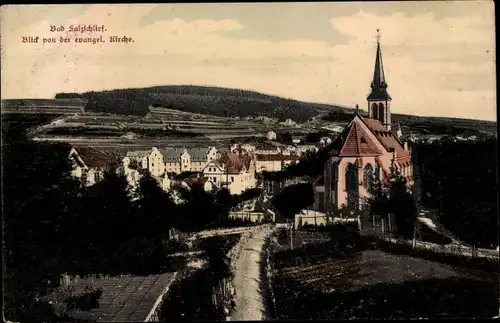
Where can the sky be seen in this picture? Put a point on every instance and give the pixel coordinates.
(439, 57)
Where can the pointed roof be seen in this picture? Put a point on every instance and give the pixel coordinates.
(232, 163)
(388, 139)
(355, 141)
(378, 73)
(379, 84)
(92, 157)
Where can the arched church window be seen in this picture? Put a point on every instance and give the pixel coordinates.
(363, 140)
(351, 181)
(381, 114)
(374, 111)
(377, 172)
(368, 176)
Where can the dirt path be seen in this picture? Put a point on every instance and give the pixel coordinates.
(247, 280)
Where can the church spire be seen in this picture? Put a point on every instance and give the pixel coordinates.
(379, 99)
(379, 85)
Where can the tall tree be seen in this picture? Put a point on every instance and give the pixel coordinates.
(38, 197)
(157, 210)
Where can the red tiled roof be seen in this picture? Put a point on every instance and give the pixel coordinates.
(246, 160)
(233, 163)
(276, 157)
(190, 181)
(387, 139)
(96, 158)
(358, 143)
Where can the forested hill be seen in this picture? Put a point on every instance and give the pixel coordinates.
(216, 101)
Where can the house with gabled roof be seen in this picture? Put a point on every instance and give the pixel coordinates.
(90, 164)
(233, 171)
(179, 160)
(366, 149)
(152, 160)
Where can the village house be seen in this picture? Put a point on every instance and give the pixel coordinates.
(366, 149)
(245, 147)
(267, 149)
(152, 160)
(289, 122)
(296, 139)
(233, 171)
(274, 162)
(90, 164)
(271, 135)
(179, 160)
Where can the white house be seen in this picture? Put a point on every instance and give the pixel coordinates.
(152, 160)
(178, 160)
(90, 164)
(289, 122)
(271, 135)
(296, 140)
(267, 149)
(275, 162)
(237, 173)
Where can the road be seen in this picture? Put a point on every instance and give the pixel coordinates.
(249, 299)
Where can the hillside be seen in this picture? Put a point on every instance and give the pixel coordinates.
(215, 101)
(226, 102)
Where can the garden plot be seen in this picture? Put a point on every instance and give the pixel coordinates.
(372, 284)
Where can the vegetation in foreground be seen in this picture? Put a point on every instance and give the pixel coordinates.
(104, 232)
(460, 181)
(320, 282)
(191, 298)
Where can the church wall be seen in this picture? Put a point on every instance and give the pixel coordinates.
(341, 185)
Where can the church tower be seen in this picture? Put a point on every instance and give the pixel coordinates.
(379, 100)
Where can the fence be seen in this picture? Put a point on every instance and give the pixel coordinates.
(384, 229)
(249, 216)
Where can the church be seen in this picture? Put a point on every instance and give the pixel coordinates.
(365, 149)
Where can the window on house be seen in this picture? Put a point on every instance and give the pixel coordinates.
(215, 180)
(363, 140)
(232, 179)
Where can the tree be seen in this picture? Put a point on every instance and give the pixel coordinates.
(38, 198)
(393, 198)
(157, 211)
(292, 199)
(285, 138)
(199, 211)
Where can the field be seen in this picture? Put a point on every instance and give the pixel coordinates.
(353, 280)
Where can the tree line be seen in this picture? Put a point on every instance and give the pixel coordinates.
(460, 181)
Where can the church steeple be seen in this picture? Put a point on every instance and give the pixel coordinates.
(379, 99)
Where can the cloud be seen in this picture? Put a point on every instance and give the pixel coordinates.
(434, 65)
